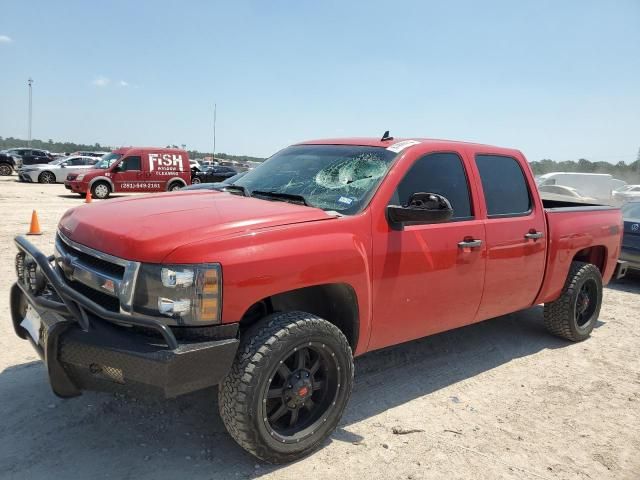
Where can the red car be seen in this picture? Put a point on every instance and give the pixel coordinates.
(328, 250)
(134, 169)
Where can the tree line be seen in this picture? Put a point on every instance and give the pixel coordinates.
(68, 147)
(630, 172)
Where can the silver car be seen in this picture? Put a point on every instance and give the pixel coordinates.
(57, 170)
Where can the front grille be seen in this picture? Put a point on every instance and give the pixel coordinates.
(102, 278)
(96, 263)
(99, 264)
(106, 301)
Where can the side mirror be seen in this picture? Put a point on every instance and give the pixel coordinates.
(64, 165)
(422, 208)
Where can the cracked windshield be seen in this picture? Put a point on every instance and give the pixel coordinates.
(332, 177)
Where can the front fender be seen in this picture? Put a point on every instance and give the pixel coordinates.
(262, 263)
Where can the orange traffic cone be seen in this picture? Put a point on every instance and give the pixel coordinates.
(87, 198)
(34, 229)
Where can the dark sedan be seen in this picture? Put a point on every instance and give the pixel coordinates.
(215, 173)
(631, 238)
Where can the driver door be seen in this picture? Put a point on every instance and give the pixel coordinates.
(429, 277)
(127, 176)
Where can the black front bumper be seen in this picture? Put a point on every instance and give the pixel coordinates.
(86, 347)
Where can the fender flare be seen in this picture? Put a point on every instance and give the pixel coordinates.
(102, 178)
(174, 179)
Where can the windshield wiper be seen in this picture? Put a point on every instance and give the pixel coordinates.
(286, 197)
(231, 188)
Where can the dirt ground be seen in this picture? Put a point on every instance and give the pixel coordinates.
(500, 399)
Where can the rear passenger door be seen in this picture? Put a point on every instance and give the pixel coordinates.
(515, 229)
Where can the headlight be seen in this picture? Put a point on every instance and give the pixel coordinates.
(189, 294)
(80, 177)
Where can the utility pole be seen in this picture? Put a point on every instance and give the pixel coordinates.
(30, 82)
(214, 132)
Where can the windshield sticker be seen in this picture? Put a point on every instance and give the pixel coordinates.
(346, 200)
(399, 146)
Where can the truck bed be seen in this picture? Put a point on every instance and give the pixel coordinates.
(580, 231)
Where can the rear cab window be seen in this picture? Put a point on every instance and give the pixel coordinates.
(506, 191)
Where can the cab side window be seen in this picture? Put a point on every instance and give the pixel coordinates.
(441, 173)
(505, 188)
(130, 163)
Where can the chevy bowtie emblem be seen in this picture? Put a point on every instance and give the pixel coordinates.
(109, 286)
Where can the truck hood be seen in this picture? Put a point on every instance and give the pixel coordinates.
(148, 228)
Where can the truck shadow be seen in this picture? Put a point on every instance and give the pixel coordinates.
(121, 436)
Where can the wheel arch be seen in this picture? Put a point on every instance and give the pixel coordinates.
(595, 254)
(173, 180)
(107, 180)
(337, 303)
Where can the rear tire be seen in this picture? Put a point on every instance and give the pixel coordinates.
(288, 387)
(47, 177)
(175, 186)
(100, 190)
(195, 181)
(574, 314)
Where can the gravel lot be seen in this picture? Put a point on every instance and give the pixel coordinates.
(500, 399)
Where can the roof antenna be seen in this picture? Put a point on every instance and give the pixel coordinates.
(386, 137)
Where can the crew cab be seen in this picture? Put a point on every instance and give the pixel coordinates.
(328, 250)
(134, 169)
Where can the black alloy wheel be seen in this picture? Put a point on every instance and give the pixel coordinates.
(301, 392)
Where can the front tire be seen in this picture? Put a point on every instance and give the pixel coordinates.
(195, 180)
(47, 177)
(288, 387)
(175, 186)
(100, 190)
(575, 313)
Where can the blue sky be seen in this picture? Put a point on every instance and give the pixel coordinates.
(558, 80)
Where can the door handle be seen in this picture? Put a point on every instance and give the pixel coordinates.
(533, 235)
(470, 244)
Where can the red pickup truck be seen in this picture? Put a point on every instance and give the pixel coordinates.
(134, 169)
(269, 286)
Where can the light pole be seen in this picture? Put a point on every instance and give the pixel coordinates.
(214, 132)
(30, 82)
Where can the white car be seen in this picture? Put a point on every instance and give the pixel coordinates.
(566, 191)
(628, 192)
(57, 170)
